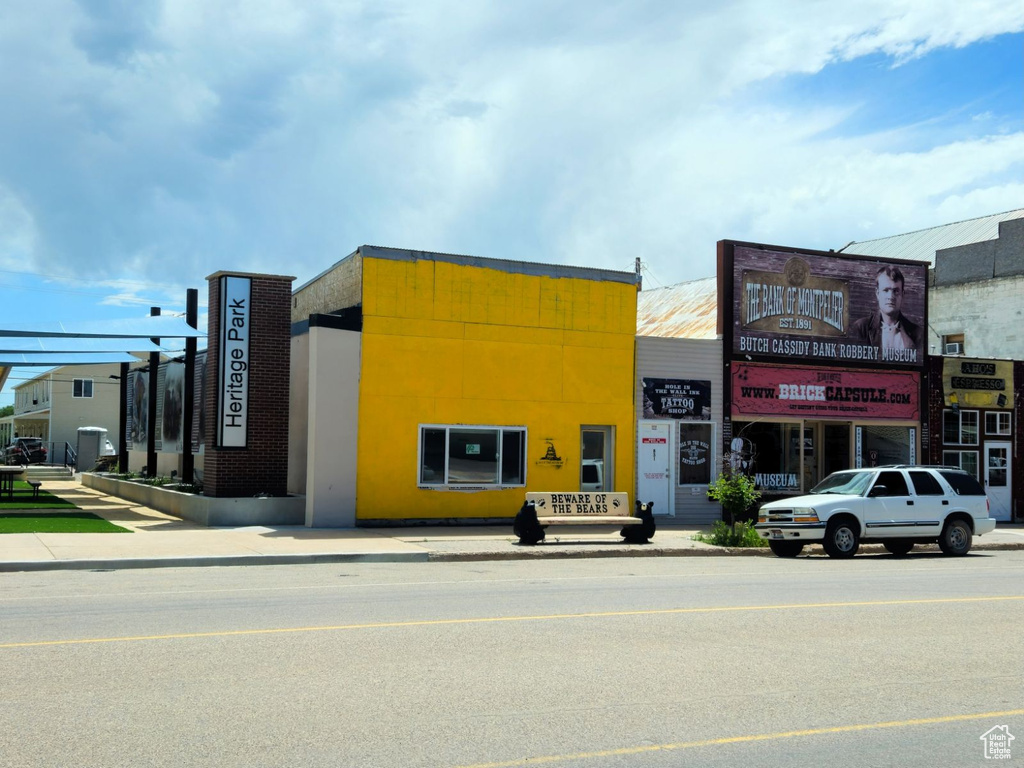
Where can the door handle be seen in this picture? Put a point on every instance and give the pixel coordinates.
(910, 502)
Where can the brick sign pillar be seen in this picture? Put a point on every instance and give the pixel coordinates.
(247, 395)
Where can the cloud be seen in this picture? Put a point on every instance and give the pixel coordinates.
(167, 140)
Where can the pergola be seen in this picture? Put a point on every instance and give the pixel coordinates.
(54, 344)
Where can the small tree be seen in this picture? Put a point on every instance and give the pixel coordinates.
(735, 492)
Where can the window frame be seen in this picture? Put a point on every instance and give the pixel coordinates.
(960, 463)
(91, 387)
(1000, 430)
(445, 484)
(959, 414)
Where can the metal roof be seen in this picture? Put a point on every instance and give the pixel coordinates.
(683, 311)
(160, 326)
(53, 359)
(922, 244)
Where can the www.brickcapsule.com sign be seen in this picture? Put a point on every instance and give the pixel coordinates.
(233, 373)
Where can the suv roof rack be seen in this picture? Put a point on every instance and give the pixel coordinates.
(918, 466)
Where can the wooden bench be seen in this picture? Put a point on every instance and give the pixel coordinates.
(35, 486)
(540, 510)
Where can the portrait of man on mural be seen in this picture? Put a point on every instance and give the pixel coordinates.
(886, 327)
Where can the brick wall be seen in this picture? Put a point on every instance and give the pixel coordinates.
(989, 314)
(935, 402)
(261, 467)
(338, 288)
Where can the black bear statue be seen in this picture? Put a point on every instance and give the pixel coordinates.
(644, 532)
(526, 526)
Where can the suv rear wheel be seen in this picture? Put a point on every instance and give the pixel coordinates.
(841, 538)
(956, 538)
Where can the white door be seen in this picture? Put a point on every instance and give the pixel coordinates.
(654, 465)
(997, 480)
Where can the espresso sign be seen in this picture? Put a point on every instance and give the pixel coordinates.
(233, 374)
(978, 383)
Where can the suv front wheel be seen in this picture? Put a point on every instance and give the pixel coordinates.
(956, 538)
(841, 538)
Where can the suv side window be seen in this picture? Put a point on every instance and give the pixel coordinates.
(894, 483)
(925, 484)
(963, 483)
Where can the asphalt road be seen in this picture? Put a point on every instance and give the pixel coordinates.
(593, 663)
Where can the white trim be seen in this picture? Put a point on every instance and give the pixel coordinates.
(83, 396)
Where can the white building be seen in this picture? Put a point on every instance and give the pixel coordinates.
(56, 403)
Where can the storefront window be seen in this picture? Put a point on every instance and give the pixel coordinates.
(493, 456)
(880, 445)
(774, 454)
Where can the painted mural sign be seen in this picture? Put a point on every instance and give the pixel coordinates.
(171, 391)
(977, 383)
(137, 420)
(816, 392)
(198, 435)
(676, 399)
(802, 307)
(169, 433)
(233, 374)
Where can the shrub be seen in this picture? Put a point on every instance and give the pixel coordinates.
(735, 492)
(724, 535)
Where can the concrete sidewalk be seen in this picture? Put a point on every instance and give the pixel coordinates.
(159, 540)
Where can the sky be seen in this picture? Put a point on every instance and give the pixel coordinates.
(146, 144)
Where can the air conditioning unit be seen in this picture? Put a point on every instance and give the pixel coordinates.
(954, 348)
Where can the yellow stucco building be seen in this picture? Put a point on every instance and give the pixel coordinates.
(430, 386)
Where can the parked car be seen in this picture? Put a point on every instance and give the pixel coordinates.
(25, 450)
(897, 506)
(592, 475)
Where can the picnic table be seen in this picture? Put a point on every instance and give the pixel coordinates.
(7, 477)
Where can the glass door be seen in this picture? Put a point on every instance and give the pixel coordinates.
(997, 479)
(596, 470)
(835, 449)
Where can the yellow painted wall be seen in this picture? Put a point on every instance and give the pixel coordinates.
(447, 343)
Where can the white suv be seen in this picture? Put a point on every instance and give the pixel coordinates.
(897, 506)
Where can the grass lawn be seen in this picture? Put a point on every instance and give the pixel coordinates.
(23, 499)
(56, 522)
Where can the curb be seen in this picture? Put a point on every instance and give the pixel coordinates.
(124, 563)
(111, 564)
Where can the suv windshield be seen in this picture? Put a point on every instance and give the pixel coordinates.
(853, 483)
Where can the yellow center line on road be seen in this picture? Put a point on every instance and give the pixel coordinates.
(507, 619)
(625, 751)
